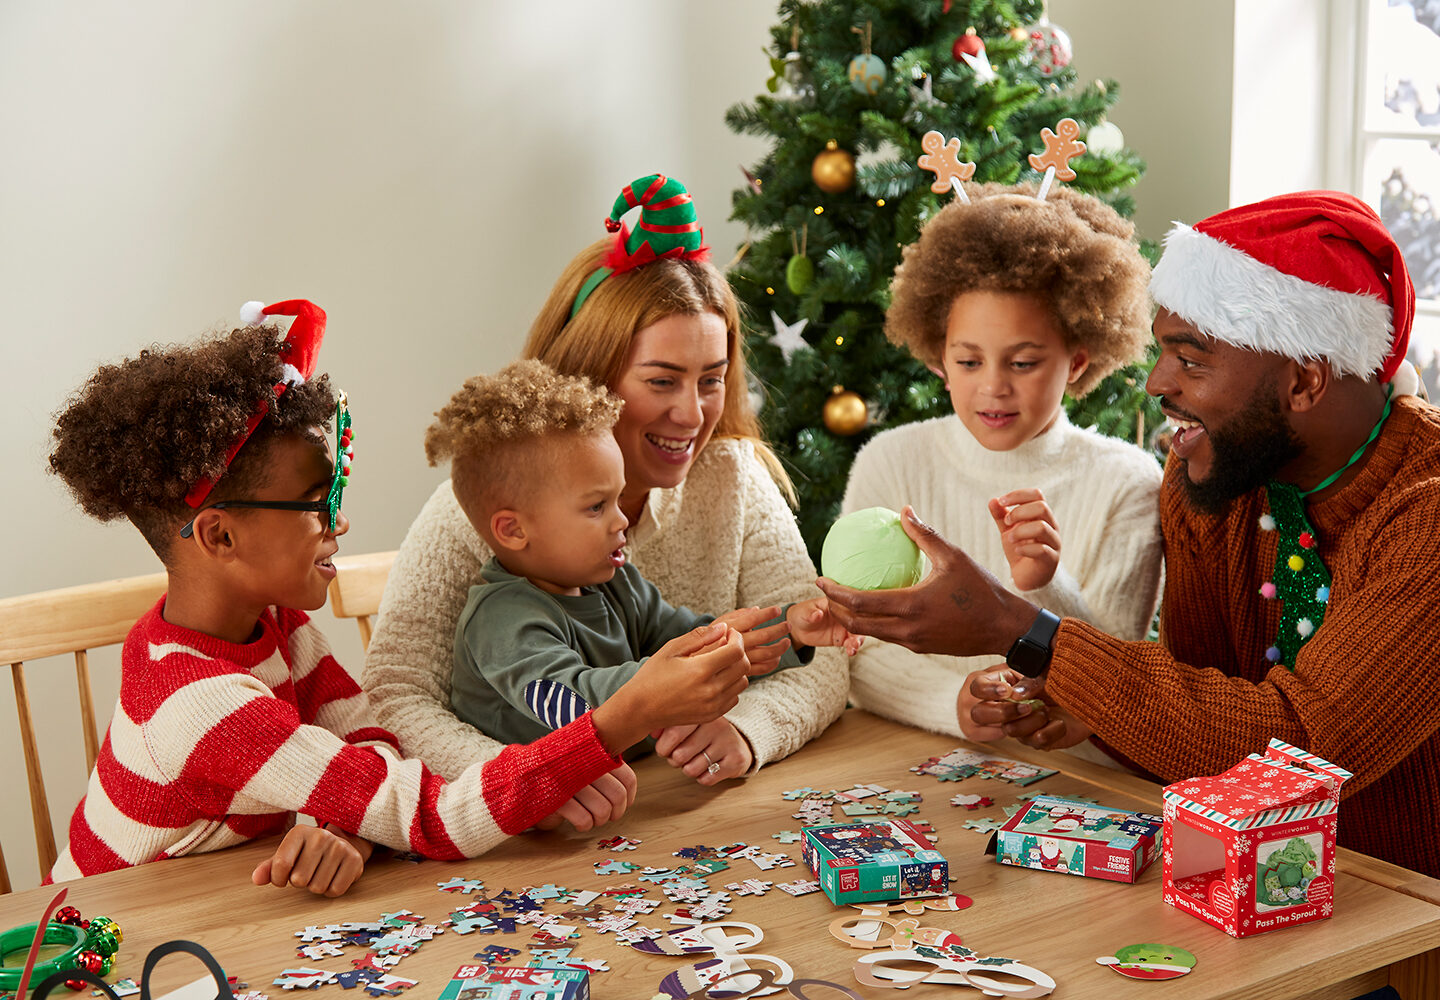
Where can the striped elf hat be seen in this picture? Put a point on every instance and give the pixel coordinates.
(667, 228)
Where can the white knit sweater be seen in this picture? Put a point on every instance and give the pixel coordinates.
(722, 539)
(1104, 493)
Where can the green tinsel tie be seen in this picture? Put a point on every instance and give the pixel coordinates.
(1300, 579)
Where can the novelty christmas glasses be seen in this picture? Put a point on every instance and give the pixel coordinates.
(329, 507)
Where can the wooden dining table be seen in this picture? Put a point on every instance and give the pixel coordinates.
(1385, 927)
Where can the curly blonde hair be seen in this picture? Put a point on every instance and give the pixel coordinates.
(496, 431)
(1072, 252)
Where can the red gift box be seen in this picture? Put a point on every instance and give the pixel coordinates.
(1253, 849)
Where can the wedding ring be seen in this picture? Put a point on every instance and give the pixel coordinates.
(713, 766)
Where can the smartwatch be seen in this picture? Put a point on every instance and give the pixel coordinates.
(1030, 654)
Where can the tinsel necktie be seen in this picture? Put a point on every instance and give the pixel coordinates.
(1301, 580)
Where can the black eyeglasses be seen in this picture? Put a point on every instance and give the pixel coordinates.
(330, 505)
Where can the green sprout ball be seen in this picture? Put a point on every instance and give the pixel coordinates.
(869, 550)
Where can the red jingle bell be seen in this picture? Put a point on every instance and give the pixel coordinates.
(92, 961)
(68, 915)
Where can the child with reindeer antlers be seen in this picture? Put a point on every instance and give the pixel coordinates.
(1015, 300)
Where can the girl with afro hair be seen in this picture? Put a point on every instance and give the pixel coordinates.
(1015, 302)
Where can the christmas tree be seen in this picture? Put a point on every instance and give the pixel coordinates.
(870, 79)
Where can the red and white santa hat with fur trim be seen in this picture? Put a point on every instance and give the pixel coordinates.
(1312, 274)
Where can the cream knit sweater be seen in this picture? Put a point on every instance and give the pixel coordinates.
(722, 539)
(1104, 493)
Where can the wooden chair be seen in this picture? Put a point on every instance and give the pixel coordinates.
(72, 620)
(358, 585)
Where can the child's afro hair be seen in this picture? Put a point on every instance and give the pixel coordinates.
(1072, 251)
(135, 438)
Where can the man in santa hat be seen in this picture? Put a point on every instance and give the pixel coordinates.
(1300, 513)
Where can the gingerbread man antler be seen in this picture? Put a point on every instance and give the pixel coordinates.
(943, 158)
(1059, 150)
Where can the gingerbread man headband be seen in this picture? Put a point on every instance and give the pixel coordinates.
(943, 159)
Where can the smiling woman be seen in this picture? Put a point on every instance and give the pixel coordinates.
(709, 525)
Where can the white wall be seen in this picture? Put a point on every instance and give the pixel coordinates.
(1172, 60)
(421, 170)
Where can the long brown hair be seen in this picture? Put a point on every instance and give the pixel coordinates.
(597, 341)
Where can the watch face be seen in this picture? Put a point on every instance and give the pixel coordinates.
(1027, 657)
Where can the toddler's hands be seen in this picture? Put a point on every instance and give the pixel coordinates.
(763, 646)
(694, 749)
(1029, 536)
(812, 624)
(693, 678)
(326, 861)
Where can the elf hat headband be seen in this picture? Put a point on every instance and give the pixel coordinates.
(1312, 274)
(668, 228)
(299, 353)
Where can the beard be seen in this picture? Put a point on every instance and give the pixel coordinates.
(1249, 450)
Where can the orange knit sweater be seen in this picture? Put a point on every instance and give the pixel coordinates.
(1365, 692)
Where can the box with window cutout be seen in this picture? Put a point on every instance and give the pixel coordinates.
(1253, 849)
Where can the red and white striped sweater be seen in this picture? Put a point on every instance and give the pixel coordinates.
(213, 744)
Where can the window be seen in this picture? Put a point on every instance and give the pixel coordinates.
(1396, 155)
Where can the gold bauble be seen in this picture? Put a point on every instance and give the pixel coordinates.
(1019, 33)
(834, 169)
(845, 413)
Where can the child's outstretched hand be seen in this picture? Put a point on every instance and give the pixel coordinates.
(812, 624)
(697, 750)
(1029, 535)
(763, 646)
(327, 861)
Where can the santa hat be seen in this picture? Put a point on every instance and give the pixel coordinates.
(1312, 274)
(299, 354)
(668, 227)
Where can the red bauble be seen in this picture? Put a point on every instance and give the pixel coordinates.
(1307, 540)
(968, 44)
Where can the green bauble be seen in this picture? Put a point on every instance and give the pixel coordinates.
(869, 550)
(799, 274)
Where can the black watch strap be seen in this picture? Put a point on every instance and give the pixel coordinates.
(1030, 654)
